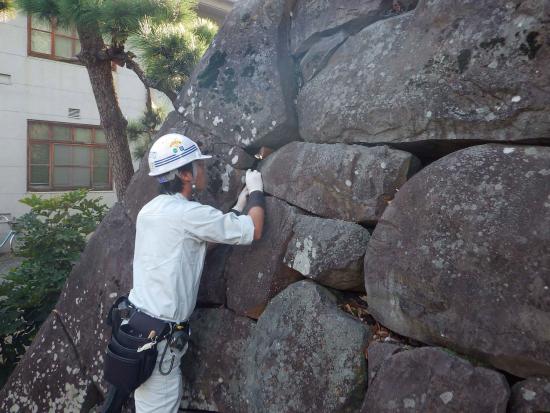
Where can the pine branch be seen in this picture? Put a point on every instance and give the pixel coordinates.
(127, 59)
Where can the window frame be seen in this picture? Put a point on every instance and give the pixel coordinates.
(51, 144)
(53, 34)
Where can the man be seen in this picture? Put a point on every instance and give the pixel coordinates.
(172, 232)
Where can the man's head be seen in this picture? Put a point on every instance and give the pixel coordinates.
(178, 164)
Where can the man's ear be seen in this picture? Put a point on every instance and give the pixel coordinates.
(185, 176)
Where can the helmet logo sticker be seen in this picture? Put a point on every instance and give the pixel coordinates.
(175, 145)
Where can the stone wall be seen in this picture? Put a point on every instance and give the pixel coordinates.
(405, 263)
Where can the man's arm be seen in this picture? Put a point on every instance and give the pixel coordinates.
(257, 214)
(256, 201)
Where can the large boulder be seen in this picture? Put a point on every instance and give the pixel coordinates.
(224, 185)
(318, 55)
(432, 380)
(210, 144)
(212, 286)
(243, 89)
(305, 355)
(436, 74)
(530, 396)
(313, 20)
(348, 182)
(256, 273)
(328, 251)
(378, 352)
(461, 257)
(103, 273)
(212, 372)
(53, 378)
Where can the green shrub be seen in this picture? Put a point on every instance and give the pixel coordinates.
(50, 239)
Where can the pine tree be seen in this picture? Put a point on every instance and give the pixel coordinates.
(169, 52)
(143, 130)
(103, 27)
(6, 9)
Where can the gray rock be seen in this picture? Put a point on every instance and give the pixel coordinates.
(212, 374)
(328, 251)
(318, 55)
(233, 155)
(238, 158)
(103, 273)
(432, 380)
(244, 88)
(305, 355)
(224, 185)
(378, 353)
(314, 19)
(54, 380)
(348, 182)
(530, 396)
(256, 273)
(410, 84)
(461, 258)
(212, 285)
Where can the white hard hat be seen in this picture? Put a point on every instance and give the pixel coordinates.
(171, 152)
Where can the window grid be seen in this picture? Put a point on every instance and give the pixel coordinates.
(46, 138)
(53, 33)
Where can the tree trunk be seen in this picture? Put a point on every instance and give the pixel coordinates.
(112, 120)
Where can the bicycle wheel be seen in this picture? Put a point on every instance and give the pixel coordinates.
(15, 243)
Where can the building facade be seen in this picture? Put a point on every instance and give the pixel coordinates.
(50, 135)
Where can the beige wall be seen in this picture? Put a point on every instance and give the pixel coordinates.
(44, 89)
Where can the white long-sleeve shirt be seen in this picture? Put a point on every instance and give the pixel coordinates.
(171, 236)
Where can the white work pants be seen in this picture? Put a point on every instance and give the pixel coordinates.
(161, 394)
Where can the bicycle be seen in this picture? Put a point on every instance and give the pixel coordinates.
(10, 236)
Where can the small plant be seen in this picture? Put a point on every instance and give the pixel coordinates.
(50, 239)
(141, 132)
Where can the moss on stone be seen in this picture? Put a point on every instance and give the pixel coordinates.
(248, 71)
(209, 76)
(229, 86)
(464, 60)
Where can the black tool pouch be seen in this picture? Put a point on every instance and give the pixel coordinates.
(126, 367)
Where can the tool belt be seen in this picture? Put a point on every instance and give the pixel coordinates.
(132, 352)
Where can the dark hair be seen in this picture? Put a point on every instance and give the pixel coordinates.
(175, 185)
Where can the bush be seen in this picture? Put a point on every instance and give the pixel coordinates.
(50, 239)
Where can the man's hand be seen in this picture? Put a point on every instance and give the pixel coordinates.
(254, 181)
(241, 201)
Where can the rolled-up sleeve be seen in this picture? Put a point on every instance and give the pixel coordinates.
(210, 224)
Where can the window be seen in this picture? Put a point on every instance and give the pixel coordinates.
(47, 39)
(67, 156)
